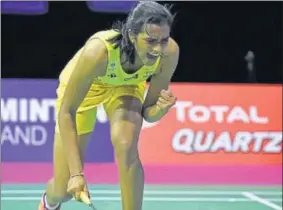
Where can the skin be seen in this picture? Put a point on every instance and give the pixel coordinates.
(127, 117)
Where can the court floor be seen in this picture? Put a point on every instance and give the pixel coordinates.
(165, 197)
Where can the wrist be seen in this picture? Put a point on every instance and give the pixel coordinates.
(77, 174)
(75, 169)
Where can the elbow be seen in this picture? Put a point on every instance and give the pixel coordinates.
(64, 114)
(148, 119)
(151, 119)
(146, 116)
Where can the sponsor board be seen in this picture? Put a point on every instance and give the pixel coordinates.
(215, 124)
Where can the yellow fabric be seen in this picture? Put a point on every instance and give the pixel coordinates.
(115, 75)
(108, 96)
(105, 90)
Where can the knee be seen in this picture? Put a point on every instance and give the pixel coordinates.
(126, 148)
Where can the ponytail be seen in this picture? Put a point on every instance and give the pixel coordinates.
(123, 41)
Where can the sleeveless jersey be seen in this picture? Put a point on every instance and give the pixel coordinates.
(115, 75)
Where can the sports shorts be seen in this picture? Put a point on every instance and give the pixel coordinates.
(98, 94)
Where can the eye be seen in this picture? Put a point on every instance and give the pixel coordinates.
(164, 41)
(151, 41)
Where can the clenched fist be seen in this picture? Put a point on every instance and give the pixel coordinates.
(166, 100)
(76, 186)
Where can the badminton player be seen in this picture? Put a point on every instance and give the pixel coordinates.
(111, 69)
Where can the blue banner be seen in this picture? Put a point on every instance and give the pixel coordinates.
(42, 7)
(28, 121)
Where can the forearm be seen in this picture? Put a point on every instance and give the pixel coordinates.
(67, 124)
(153, 113)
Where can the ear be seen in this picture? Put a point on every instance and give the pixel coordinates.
(131, 36)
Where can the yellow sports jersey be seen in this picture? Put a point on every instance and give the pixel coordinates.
(115, 75)
(106, 90)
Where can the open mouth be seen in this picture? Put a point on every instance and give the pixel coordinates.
(152, 56)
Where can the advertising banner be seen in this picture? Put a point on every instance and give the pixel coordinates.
(28, 120)
(24, 7)
(111, 6)
(213, 124)
(42, 7)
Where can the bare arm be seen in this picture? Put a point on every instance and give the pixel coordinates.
(92, 63)
(159, 82)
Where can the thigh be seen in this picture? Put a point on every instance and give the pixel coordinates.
(125, 122)
(86, 113)
(126, 97)
(85, 120)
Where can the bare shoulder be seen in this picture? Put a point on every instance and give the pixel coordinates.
(171, 57)
(95, 51)
(172, 51)
(172, 48)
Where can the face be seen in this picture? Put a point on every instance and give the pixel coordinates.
(152, 42)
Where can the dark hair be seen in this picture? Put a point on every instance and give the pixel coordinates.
(147, 12)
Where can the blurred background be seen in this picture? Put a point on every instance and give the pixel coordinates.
(224, 135)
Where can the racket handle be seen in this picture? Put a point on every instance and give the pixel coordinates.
(84, 198)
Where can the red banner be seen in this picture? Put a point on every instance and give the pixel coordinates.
(217, 125)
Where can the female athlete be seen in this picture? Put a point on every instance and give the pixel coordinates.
(111, 69)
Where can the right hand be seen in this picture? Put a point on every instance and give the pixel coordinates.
(76, 186)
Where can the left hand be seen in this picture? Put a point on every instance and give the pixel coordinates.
(166, 100)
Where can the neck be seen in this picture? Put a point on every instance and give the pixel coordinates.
(129, 67)
(125, 59)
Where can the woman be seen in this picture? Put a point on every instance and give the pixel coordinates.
(112, 69)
